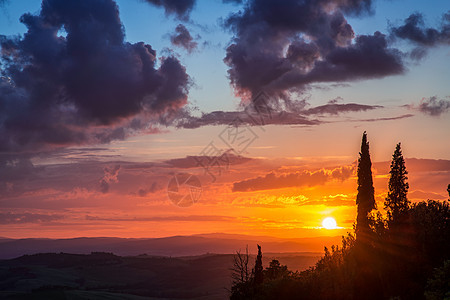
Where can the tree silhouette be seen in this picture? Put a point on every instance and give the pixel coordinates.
(258, 270)
(275, 270)
(240, 269)
(397, 203)
(365, 200)
(438, 287)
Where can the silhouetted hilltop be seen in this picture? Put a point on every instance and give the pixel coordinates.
(168, 246)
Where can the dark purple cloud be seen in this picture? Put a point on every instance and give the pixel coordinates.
(84, 86)
(294, 179)
(282, 46)
(180, 8)
(414, 30)
(433, 106)
(182, 38)
(333, 108)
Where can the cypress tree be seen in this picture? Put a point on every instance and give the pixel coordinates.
(365, 200)
(258, 270)
(397, 202)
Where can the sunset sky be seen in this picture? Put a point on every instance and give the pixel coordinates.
(103, 102)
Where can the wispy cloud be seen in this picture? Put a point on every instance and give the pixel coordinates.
(432, 106)
(405, 116)
(22, 218)
(337, 108)
(194, 161)
(190, 218)
(244, 118)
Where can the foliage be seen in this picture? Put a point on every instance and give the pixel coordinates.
(275, 271)
(431, 227)
(365, 200)
(397, 203)
(240, 270)
(438, 287)
(258, 275)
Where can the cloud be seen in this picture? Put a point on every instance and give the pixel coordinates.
(330, 203)
(283, 48)
(417, 165)
(234, 118)
(190, 218)
(414, 31)
(154, 187)
(385, 119)
(180, 8)
(294, 179)
(110, 176)
(432, 106)
(195, 161)
(14, 218)
(285, 201)
(182, 38)
(72, 79)
(85, 179)
(17, 169)
(337, 108)
(268, 112)
(425, 195)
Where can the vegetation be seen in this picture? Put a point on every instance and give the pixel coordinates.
(365, 200)
(403, 256)
(397, 203)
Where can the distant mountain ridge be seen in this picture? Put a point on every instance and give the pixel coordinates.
(219, 243)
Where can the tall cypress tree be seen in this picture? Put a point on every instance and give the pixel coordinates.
(397, 202)
(258, 270)
(365, 200)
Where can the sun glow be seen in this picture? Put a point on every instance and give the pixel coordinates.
(329, 223)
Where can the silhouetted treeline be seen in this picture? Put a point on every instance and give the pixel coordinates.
(405, 255)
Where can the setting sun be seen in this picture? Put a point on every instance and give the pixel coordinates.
(329, 223)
